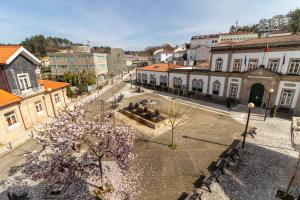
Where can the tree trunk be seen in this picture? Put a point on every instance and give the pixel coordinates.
(172, 137)
(101, 171)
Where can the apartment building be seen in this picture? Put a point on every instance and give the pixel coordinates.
(162, 55)
(71, 61)
(242, 72)
(25, 100)
(276, 23)
(116, 62)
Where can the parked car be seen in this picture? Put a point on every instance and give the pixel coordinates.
(148, 102)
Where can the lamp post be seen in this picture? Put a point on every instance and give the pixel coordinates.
(250, 107)
(270, 91)
(130, 80)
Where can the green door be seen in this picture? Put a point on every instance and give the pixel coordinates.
(256, 94)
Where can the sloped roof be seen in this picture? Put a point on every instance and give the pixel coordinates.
(159, 67)
(6, 52)
(8, 98)
(9, 52)
(53, 85)
(269, 40)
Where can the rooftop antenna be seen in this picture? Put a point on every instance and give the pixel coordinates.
(236, 25)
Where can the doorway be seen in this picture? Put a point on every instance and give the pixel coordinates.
(256, 94)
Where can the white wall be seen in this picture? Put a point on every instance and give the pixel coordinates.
(215, 57)
(157, 74)
(282, 85)
(263, 59)
(182, 76)
(235, 81)
(221, 79)
(204, 41)
(201, 53)
(203, 78)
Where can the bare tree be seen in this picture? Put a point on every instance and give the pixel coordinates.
(177, 113)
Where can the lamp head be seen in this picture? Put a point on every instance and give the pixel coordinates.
(49, 89)
(271, 90)
(251, 105)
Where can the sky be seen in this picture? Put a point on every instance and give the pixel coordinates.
(131, 24)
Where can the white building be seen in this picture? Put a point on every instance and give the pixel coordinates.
(276, 23)
(161, 55)
(244, 72)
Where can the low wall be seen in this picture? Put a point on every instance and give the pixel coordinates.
(138, 118)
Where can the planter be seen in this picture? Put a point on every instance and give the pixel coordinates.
(138, 118)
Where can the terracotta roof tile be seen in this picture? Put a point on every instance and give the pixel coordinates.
(6, 52)
(52, 84)
(159, 67)
(7, 98)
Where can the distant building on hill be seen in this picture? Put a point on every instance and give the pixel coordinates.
(60, 63)
(276, 23)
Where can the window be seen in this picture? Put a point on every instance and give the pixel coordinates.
(219, 64)
(237, 65)
(139, 78)
(144, 78)
(177, 82)
(57, 98)
(163, 80)
(286, 97)
(197, 85)
(216, 87)
(252, 64)
(233, 90)
(152, 79)
(294, 67)
(24, 81)
(273, 64)
(11, 118)
(38, 106)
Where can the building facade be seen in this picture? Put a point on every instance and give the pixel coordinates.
(244, 72)
(25, 100)
(276, 23)
(161, 55)
(60, 63)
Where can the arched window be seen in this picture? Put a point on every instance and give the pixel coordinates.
(197, 85)
(219, 64)
(152, 79)
(194, 85)
(144, 78)
(163, 80)
(216, 87)
(177, 82)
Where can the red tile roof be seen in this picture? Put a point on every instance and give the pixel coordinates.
(7, 98)
(53, 85)
(159, 67)
(6, 52)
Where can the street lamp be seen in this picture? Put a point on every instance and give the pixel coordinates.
(250, 107)
(130, 80)
(270, 91)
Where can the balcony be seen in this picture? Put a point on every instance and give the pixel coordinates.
(29, 92)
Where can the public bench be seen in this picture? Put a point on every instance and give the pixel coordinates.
(209, 179)
(194, 195)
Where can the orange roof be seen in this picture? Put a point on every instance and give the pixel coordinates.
(159, 67)
(8, 98)
(53, 85)
(6, 52)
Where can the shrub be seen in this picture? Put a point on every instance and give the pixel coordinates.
(145, 109)
(136, 105)
(139, 110)
(149, 114)
(130, 106)
(69, 92)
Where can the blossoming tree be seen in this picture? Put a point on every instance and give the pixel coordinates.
(75, 149)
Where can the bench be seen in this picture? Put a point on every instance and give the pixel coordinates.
(194, 195)
(209, 179)
(233, 153)
(221, 164)
(22, 196)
